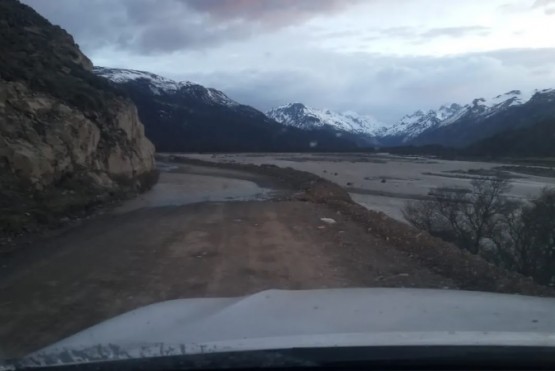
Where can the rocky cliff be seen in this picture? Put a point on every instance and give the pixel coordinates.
(68, 140)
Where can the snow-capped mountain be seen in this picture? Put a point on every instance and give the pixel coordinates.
(483, 118)
(303, 117)
(451, 124)
(189, 116)
(162, 86)
(454, 124)
(482, 108)
(184, 116)
(412, 125)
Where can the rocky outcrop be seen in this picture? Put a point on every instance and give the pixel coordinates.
(68, 139)
(42, 140)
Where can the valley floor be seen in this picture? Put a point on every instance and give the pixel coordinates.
(385, 182)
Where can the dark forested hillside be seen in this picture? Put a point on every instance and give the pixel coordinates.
(534, 141)
(472, 128)
(187, 117)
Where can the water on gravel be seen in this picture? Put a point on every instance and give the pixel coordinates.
(176, 188)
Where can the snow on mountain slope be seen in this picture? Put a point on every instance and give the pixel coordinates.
(416, 128)
(408, 128)
(411, 126)
(482, 108)
(161, 85)
(303, 117)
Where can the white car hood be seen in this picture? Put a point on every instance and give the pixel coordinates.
(279, 319)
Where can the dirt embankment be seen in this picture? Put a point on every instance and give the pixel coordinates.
(468, 271)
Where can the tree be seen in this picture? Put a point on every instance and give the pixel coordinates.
(461, 215)
(536, 247)
(483, 221)
(485, 208)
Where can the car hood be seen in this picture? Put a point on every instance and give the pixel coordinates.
(277, 319)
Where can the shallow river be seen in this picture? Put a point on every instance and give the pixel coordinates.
(385, 182)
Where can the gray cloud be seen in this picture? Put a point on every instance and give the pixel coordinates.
(542, 3)
(401, 32)
(456, 32)
(271, 12)
(150, 26)
(418, 35)
(198, 40)
(389, 87)
(548, 6)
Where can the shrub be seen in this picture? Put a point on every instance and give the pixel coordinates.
(483, 221)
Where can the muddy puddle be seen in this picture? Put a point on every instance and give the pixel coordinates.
(180, 185)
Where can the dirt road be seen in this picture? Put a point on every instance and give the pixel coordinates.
(159, 248)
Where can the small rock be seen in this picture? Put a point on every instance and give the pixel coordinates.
(383, 180)
(321, 227)
(403, 274)
(328, 220)
(349, 184)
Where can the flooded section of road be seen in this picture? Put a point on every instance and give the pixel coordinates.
(182, 185)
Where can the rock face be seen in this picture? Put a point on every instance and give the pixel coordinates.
(43, 139)
(68, 140)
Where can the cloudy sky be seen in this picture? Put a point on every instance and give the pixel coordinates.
(384, 58)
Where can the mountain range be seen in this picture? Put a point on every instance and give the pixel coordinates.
(300, 116)
(184, 116)
(452, 124)
(187, 117)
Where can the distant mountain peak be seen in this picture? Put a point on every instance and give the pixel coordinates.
(307, 118)
(161, 85)
(413, 125)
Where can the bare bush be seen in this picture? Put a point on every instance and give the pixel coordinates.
(483, 221)
(536, 246)
(420, 214)
(465, 216)
(485, 209)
